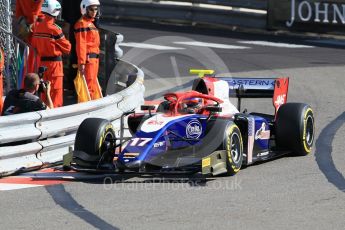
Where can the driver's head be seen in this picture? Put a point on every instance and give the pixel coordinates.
(192, 105)
(193, 102)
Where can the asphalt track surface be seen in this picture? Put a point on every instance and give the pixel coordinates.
(287, 193)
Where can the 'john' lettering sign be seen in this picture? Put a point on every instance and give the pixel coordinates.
(307, 11)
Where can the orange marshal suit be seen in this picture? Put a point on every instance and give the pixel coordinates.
(87, 48)
(51, 44)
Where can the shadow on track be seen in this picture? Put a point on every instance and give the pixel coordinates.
(66, 201)
(323, 153)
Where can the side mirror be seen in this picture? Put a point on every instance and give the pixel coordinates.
(148, 107)
(214, 109)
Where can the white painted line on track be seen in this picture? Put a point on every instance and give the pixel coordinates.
(211, 45)
(149, 46)
(7, 187)
(274, 44)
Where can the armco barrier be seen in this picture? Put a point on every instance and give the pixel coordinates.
(19, 157)
(191, 12)
(316, 16)
(249, 4)
(19, 127)
(50, 133)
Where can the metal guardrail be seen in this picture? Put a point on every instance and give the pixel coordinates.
(190, 13)
(249, 4)
(321, 17)
(50, 133)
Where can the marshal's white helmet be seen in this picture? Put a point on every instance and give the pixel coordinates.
(51, 7)
(86, 3)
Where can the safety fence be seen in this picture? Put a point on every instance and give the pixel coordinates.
(13, 47)
(246, 13)
(16, 61)
(33, 140)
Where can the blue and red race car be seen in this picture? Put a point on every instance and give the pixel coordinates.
(199, 131)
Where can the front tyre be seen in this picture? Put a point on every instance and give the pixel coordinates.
(95, 143)
(233, 145)
(295, 128)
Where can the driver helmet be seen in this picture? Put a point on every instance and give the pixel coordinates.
(192, 105)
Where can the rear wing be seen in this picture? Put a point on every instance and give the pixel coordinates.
(250, 87)
(275, 88)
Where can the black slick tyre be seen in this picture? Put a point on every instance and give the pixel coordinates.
(295, 128)
(233, 145)
(94, 143)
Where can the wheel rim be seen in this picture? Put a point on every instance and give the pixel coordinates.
(309, 138)
(235, 148)
(107, 143)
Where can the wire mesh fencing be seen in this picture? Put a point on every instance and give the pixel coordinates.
(16, 51)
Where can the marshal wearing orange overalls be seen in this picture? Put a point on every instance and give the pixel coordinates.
(51, 44)
(87, 45)
(27, 14)
(29, 9)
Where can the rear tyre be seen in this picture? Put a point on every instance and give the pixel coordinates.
(95, 143)
(233, 145)
(295, 128)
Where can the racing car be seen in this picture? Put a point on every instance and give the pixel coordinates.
(198, 131)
